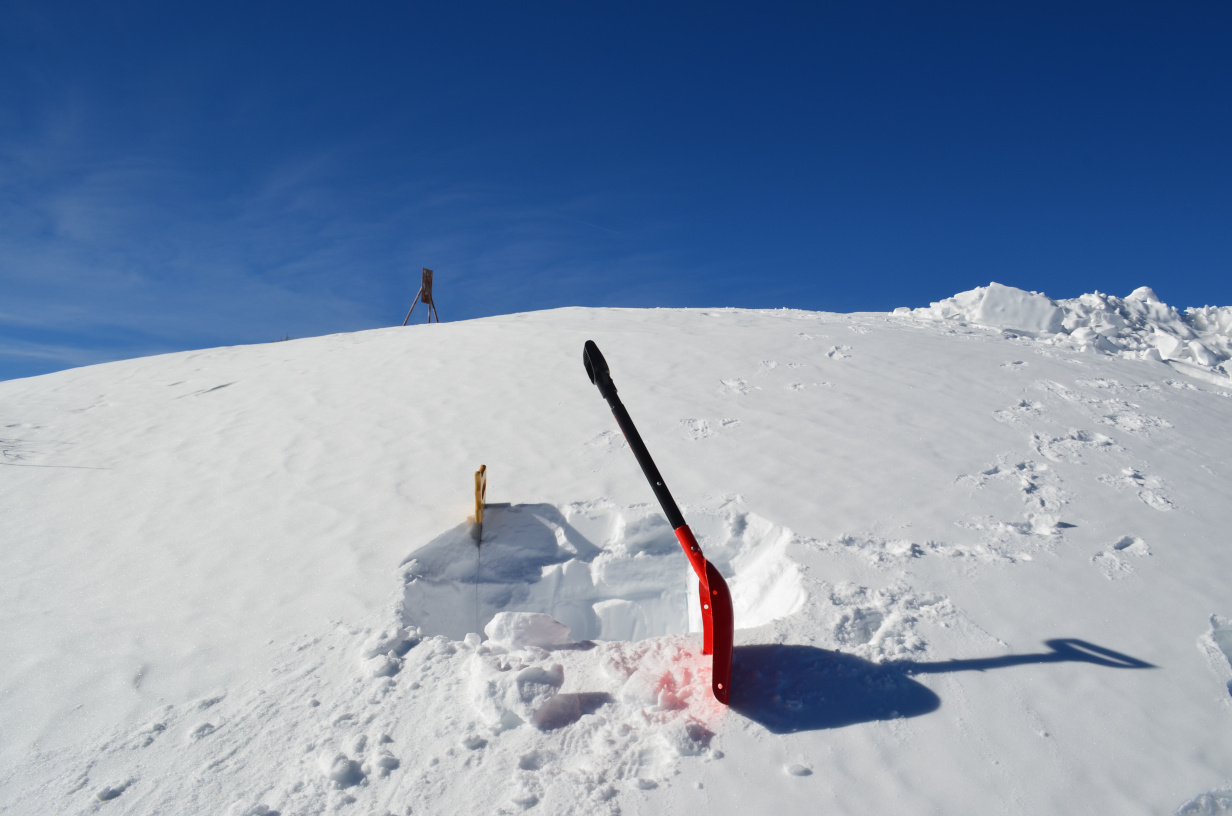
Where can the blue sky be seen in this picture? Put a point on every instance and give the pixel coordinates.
(184, 175)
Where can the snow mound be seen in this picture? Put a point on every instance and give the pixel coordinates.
(1196, 341)
(1002, 307)
(593, 570)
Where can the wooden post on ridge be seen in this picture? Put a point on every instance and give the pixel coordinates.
(424, 294)
(481, 498)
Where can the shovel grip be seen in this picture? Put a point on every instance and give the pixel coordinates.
(597, 370)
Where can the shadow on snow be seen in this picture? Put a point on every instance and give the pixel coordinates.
(802, 688)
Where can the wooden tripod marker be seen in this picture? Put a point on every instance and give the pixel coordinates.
(424, 294)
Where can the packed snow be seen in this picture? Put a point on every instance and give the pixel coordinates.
(978, 554)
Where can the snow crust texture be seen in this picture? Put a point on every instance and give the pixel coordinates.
(973, 570)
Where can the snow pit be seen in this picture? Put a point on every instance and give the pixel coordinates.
(604, 572)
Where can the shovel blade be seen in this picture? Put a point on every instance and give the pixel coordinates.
(718, 624)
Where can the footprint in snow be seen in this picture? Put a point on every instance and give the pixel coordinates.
(839, 352)
(1125, 416)
(736, 386)
(1039, 487)
(1072, 446)
(698, 429)
(1148, 488)
(202, 730)
(607, 441)
(1112, 563)
(1102, 383)
(149, 732)
(108, 792)
(1156, 500)
(1131, 545)
(1020, 412)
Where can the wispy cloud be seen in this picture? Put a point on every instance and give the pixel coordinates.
(144, 247)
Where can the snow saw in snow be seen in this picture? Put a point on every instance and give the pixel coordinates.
(717, 621)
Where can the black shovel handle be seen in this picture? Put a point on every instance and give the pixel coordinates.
(597, 370)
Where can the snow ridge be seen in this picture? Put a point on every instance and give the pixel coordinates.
(1196, 341)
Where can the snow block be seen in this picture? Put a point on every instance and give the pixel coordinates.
(506, 689)
(1001, 307)
(1005, 307)
(518, 630)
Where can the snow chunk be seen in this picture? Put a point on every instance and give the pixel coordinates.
(383, 665)
(1009, 308)
(1001, 307)
(517, 630)
(507, 689)
(340, 769)
(1221, 636)
(392, 639)
(1217, 803)
(1196, 341)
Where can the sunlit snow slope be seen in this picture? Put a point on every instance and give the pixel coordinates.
(980, 554)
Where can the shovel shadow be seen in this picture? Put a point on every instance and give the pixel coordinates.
(789, 688)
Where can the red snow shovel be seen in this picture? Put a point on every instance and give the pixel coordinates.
(717, 622)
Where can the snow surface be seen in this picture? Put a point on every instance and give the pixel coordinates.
(979, 556)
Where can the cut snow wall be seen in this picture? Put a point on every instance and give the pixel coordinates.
(607, 573)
